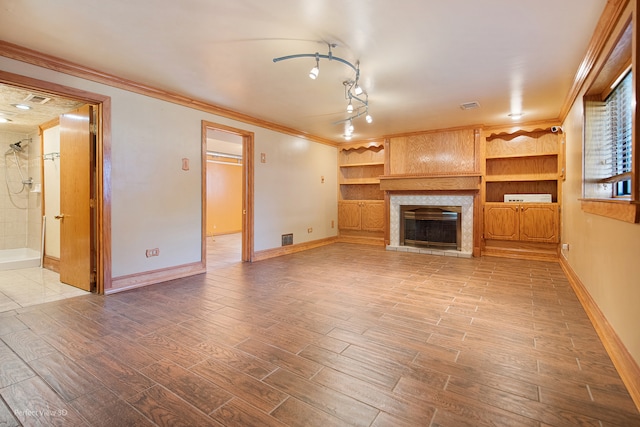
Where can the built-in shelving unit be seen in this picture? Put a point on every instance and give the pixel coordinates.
(361, 216)
(523, 162)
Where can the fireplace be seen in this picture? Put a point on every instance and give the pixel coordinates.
(460, 205)
(437, 227)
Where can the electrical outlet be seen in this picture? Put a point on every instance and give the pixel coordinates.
(152, 252)
(309, 230)
(332, 224)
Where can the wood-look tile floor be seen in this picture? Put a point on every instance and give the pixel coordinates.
(342, 335)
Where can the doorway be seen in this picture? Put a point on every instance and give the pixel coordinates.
(95, 161)
(227, 195)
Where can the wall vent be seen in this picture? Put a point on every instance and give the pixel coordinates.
(287, 239)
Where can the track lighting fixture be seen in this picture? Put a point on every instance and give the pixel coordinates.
(357, 98)
(313, 74)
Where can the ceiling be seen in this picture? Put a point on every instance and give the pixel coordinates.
(42, 108)
(419, 59)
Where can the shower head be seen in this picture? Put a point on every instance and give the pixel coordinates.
(19, 146)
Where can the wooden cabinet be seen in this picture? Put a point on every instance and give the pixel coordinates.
(522, 162)
(528, 222)
(361, 206)
(366, 215)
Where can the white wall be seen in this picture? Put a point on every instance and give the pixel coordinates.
(157, 204)
(289, 191)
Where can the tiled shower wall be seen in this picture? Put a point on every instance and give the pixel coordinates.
(20, 214)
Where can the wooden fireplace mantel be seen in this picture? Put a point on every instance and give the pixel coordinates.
(432, 182)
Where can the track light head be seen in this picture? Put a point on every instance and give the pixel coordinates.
(313, 74)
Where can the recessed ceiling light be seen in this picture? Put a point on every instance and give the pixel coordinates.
(516, 116)
(22, 106)
(4, 120)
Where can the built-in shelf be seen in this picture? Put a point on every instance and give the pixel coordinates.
(524, 155)
(356, 181)
(522, 178)
(357, 165)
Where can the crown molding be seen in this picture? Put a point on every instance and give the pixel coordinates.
(29, 56)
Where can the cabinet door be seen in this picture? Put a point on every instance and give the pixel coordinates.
(373, 216)
(349, 215)
(539, 223)
(501, 221)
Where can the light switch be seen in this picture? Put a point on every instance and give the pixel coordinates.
(185, 164)
(263, 157)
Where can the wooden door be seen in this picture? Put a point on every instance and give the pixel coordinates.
(372, 216)
(75, 197)
(501, 221)
(539, 223)
(349, 215)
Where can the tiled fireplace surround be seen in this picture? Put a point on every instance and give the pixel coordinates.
(465, 202)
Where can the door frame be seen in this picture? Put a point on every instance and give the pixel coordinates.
(102, 104)
(248, 253)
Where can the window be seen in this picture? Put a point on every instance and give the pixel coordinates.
(610, 176)
(608, 142)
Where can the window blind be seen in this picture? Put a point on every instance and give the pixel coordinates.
(608, 143)
(618, 128)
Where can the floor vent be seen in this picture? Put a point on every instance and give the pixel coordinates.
(287, 239)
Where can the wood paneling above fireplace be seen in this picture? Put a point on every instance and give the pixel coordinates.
(449, 152)
(446, 160)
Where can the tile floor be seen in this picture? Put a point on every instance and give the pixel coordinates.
(340, 335)
(30, 286)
